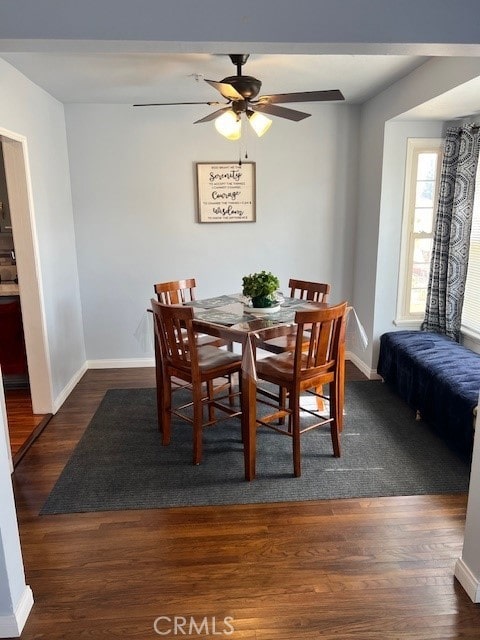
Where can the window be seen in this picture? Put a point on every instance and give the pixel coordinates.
(422, 178)
(471, 303)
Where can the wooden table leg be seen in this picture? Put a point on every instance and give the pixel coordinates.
(249, 408)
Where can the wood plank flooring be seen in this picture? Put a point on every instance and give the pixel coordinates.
(367, 569)
(24, 426)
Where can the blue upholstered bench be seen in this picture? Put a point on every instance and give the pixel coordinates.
(437, 377)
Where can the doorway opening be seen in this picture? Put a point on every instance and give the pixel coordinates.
(13, 355)
(33, 371)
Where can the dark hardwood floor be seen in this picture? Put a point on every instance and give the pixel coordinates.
(24, 426)
(369, 569)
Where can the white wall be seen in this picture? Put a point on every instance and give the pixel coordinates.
(28, 111)
(133, 188)
(391, 216)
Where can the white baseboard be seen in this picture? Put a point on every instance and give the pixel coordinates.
(128, 363)
(121, 363)
(11, 626)
(468, 581)
(68, 388)
(365, 369)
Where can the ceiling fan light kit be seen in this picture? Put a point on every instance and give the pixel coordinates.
(229, 124)
(241, 94)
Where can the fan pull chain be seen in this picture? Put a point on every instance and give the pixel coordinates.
(240, 157)
(240, 153)
(245, 138)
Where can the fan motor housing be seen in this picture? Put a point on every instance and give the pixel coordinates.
(247, 86)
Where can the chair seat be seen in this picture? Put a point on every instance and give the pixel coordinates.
(210, 357)
(279, 369)
(280, 365)
(282, 343)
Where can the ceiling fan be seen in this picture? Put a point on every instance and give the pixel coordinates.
(241, 94)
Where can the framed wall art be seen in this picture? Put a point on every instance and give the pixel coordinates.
(225, 191)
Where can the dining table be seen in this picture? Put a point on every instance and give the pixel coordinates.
(231, 318)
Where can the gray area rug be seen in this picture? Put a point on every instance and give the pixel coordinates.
(120, 463)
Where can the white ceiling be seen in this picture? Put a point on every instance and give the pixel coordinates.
(175, 77)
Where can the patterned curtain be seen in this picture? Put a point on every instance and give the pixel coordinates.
(448, 267)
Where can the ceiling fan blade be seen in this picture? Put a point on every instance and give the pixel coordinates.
(281, 112)
(303, 96)
(173, 104)
(227, 90)
(212, 116)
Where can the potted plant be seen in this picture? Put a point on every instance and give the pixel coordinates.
(260, 288)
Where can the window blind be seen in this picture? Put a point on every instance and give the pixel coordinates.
(471, 303)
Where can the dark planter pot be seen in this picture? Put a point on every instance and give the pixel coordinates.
(262, 302)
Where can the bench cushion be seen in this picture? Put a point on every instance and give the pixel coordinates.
(438, 377)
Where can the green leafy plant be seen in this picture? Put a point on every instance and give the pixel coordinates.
(260, 287)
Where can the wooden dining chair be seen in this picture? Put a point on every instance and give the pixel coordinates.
(304, 290)
(306, 370)
(183, 292)
(182, 358)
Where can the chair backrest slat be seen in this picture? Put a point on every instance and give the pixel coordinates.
(327, 339)
(175, 334)
(306, 290)
(176, 291)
